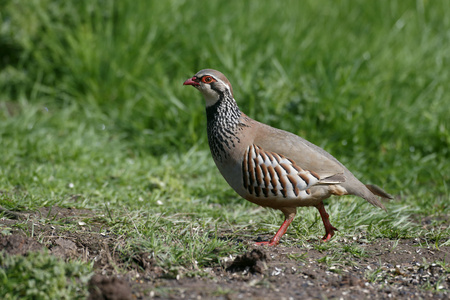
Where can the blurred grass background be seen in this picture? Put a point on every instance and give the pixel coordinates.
(91, 92)
(92, 104)
(373, 76)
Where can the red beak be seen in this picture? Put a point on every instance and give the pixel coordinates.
(192, 81)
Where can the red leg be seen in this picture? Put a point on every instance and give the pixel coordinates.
(276, 239)
(329, 229)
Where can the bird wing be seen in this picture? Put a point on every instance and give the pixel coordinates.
(305, 154)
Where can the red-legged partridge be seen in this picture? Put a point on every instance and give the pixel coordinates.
(271, 167)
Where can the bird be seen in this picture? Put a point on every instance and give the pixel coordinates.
(272, 167)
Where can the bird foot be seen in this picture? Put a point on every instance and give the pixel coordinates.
(266, 243)
(329, 234)
(327, 237)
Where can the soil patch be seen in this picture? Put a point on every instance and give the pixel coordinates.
(19, 245)
(108, 288)
(384, 269)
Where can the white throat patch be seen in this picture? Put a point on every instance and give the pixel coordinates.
(212, 96)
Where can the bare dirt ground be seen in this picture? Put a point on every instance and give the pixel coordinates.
(388, 269)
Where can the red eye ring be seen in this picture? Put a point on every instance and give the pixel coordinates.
(208, 79)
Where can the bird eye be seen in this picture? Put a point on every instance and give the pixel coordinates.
(207, 79)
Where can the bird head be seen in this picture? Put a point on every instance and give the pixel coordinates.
(212, 84)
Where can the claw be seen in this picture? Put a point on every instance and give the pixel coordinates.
(266, 243)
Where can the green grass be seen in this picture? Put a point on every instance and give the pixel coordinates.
(92, 105)
(42, 276)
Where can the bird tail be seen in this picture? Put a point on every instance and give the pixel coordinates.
(376, 190)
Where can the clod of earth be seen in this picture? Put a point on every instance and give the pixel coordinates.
(251, 261)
